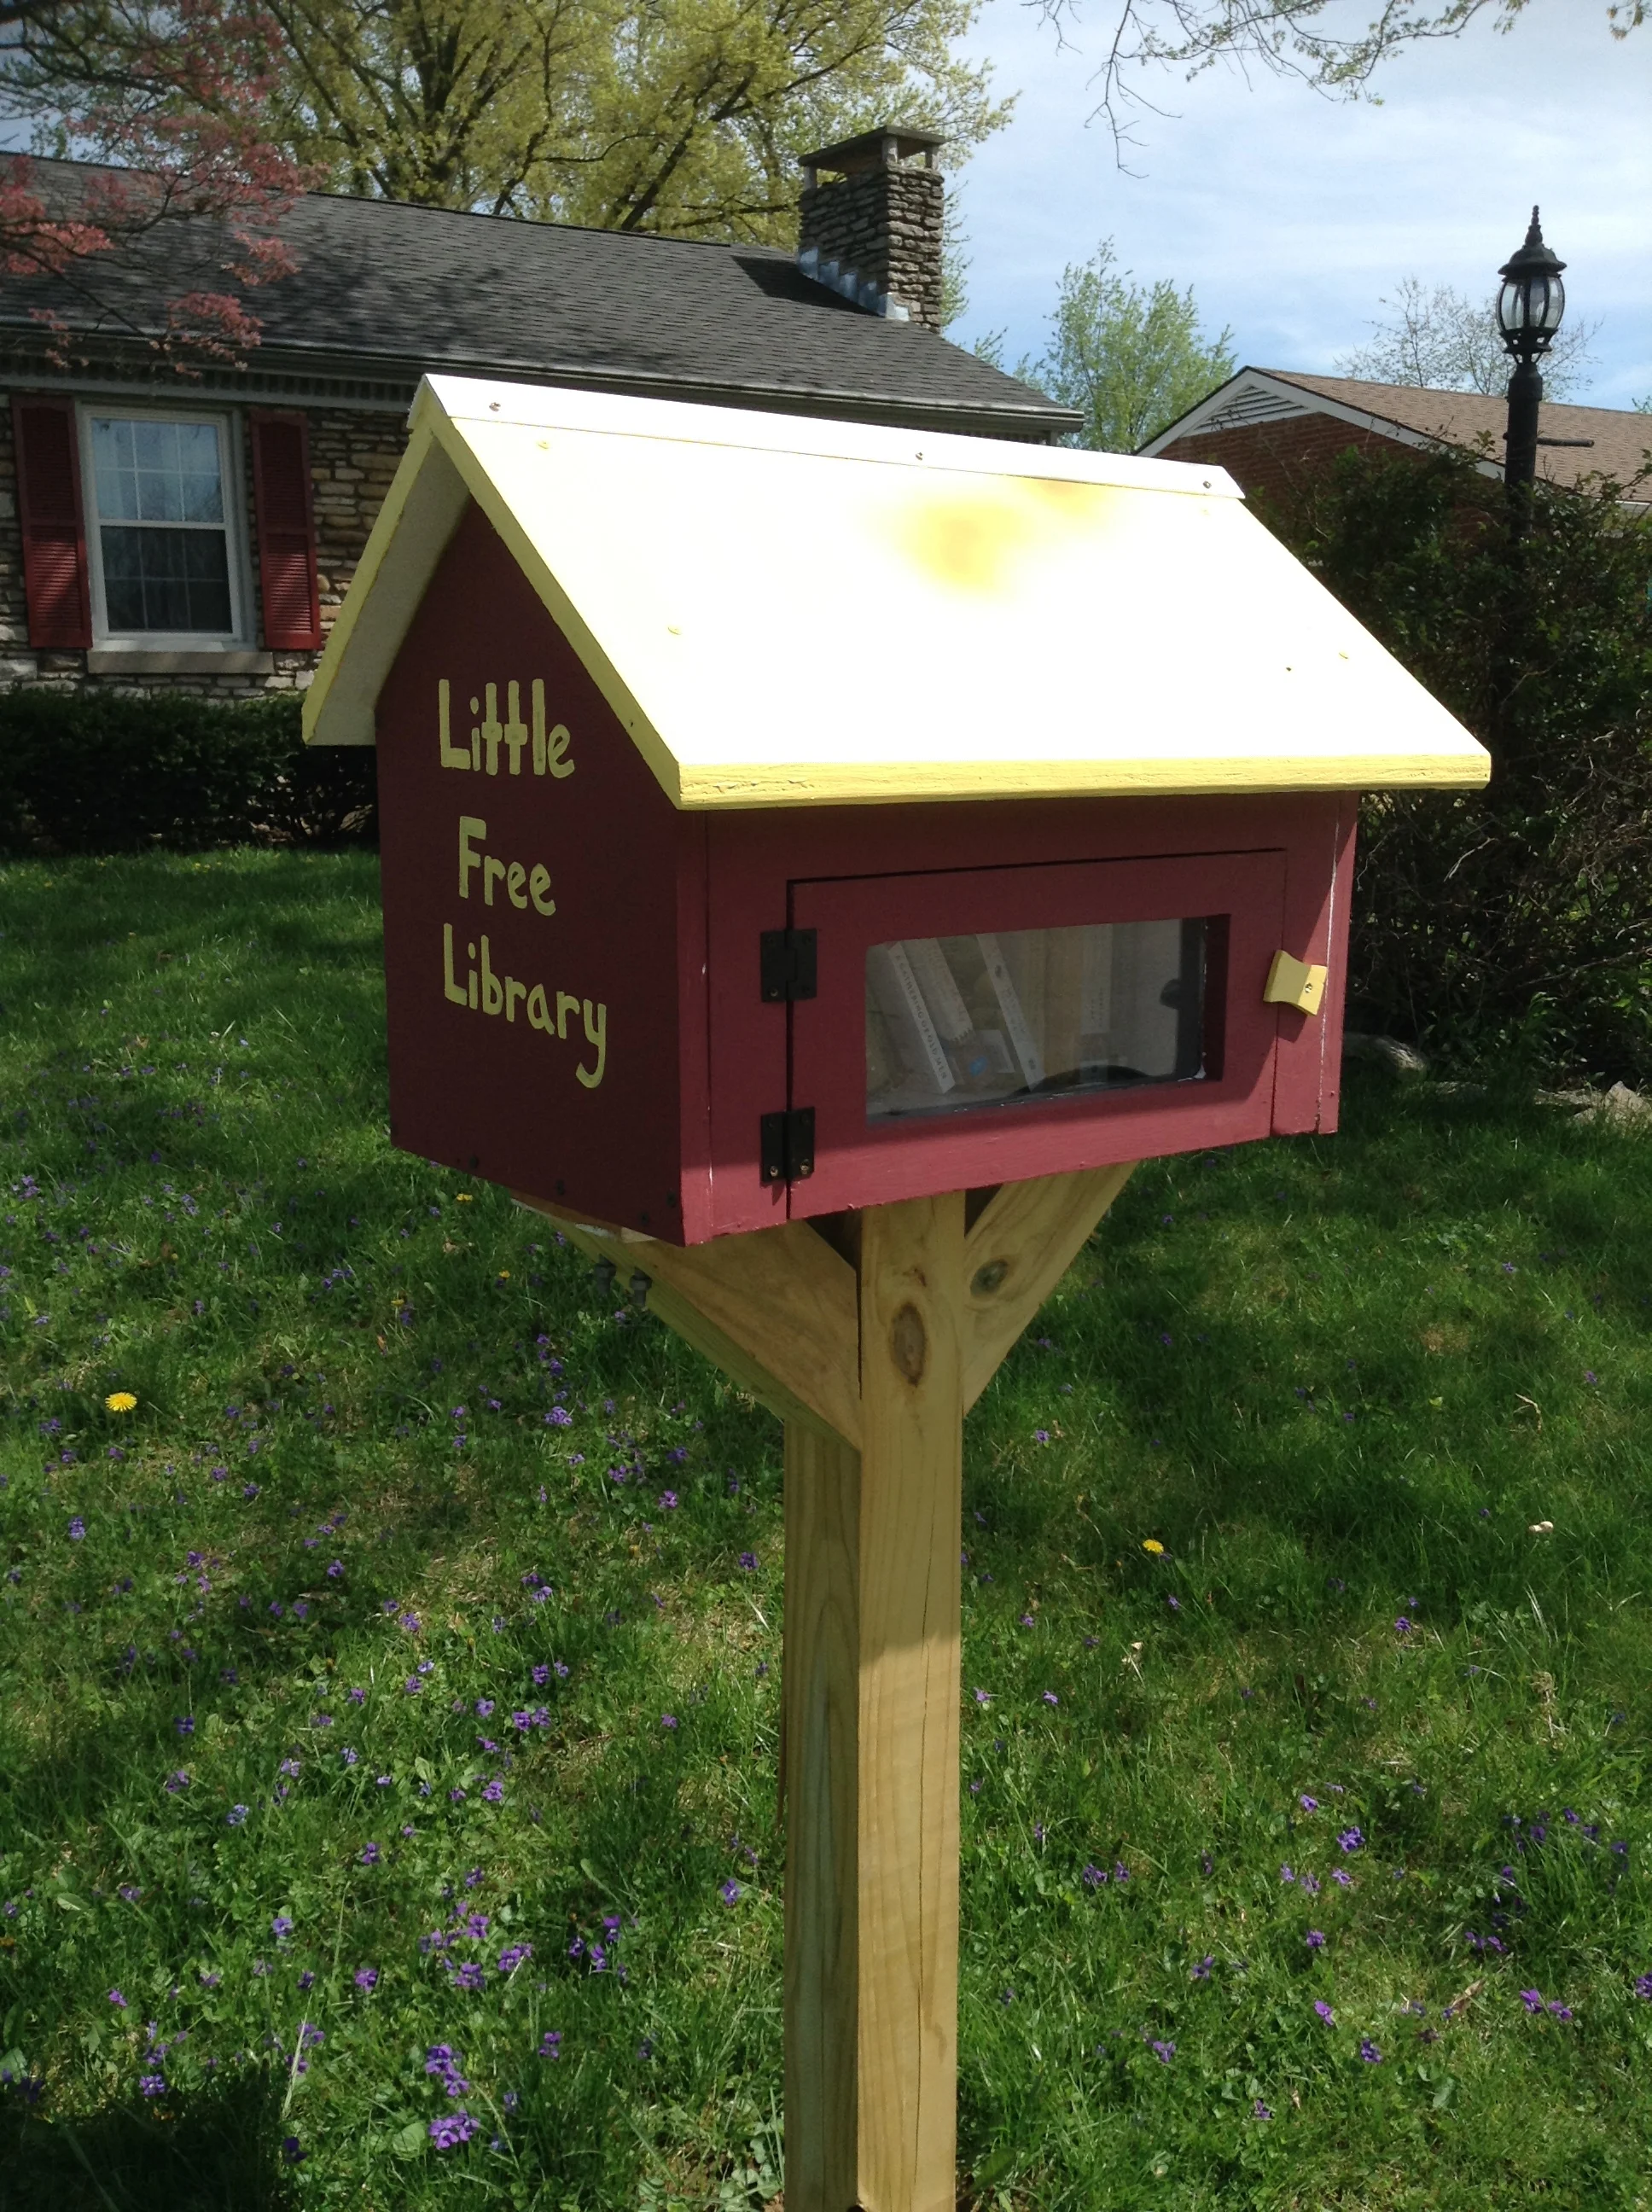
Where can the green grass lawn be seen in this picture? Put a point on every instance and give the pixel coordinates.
(401, 1672)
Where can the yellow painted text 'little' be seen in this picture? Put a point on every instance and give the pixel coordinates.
(548, 749)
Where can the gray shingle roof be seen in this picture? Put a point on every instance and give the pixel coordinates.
(384, 289)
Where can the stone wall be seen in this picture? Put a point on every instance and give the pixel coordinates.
(354, 452)
(353, 457)
(884, 224)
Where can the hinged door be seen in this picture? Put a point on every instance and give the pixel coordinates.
(981, 1026)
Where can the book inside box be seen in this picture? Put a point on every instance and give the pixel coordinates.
(955, 1023)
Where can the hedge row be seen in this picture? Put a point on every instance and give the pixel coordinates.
(102, 772)
(1508, 928)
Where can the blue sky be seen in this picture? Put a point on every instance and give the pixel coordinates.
(1291, 215)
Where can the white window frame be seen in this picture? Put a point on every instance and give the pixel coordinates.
(236, 638)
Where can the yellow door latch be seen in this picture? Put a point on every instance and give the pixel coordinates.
(1292, 983)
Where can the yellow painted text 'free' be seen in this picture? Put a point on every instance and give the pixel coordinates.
(520, 886)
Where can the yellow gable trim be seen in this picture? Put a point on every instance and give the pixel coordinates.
(422, 510)
(562, 611)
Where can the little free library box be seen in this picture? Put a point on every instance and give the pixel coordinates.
(819, 861)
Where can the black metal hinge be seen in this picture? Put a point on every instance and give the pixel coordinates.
(788, 965)
(787, 1150)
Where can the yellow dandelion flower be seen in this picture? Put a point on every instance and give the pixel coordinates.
(1152, 1544)
(120, 1402)
(504, 1275)
(463, 1197)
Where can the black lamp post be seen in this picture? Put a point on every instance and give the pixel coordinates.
(1530, 307)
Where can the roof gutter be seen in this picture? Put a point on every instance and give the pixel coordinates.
(1038, 423)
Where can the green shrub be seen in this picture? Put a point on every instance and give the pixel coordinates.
(1519, 919)
(102, 772)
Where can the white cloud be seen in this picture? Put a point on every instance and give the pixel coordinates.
(1291, 215)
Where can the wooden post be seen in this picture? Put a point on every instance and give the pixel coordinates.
(871, 1710)
(821, 1778)
(872, 1361)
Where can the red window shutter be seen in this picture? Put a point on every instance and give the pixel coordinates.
(49, 510)
(281, 493)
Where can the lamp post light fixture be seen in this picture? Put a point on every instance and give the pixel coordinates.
(1530, 305)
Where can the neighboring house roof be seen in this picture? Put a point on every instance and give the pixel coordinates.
(385, 291)
(1017, 623)
(1618, 439)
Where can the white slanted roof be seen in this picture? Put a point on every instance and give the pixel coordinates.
(785, 612)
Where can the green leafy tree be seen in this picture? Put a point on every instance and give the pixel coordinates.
(1513, 923)
(685, 116)
(1130, 357)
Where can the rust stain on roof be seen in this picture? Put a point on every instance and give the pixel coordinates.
(978, 541)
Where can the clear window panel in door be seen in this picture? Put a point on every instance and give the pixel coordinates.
(955, 1024)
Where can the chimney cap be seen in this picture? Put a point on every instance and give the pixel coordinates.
(874, 149)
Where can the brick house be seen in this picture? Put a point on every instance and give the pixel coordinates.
(1270, 427)
(199, 534)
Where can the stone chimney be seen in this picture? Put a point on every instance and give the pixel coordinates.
(873, 231)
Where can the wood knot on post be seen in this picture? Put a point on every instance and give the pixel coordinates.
(909, 1344)
(987, 1279)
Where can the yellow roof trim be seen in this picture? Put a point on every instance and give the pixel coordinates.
(422, 510)
(807, 784)
(561, 609)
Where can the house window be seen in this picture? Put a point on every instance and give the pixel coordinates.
(164, 555)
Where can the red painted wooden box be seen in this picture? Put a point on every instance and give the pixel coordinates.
(694, 1017)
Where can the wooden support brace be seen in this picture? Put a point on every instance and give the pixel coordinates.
(1028, 1237)
(775, 1310)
